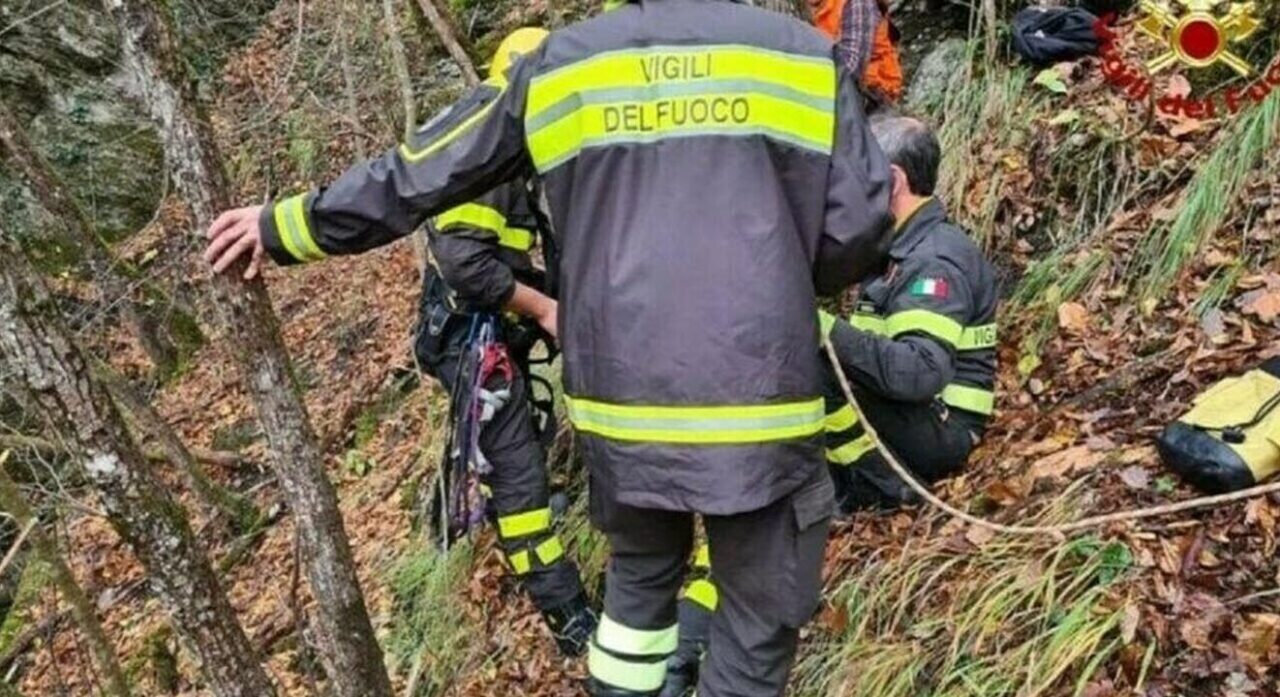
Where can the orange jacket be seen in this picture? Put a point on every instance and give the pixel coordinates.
(883, 71)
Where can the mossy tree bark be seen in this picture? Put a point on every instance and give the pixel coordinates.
(104, 655)
(116, 286)
(42, 361)
(344, 635)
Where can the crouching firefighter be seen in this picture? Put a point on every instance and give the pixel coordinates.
(920, 352)
(481, 267)
(920, 348)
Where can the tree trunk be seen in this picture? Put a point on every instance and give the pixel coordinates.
(442, 23)
(115, 286)
(104, 654)
(214, 499)
(42, 360)
(346, 643)
(400, 66)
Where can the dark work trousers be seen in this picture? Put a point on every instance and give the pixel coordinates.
(768, 570)
(518, 484)
(932, 440)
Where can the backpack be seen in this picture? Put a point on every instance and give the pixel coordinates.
(1047, 35)
(1230, 439)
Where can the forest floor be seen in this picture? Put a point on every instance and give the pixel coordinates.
(1098, 352)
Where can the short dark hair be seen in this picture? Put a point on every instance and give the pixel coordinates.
(911, 145)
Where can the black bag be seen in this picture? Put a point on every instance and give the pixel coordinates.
(1230, 439)
(1047, 35)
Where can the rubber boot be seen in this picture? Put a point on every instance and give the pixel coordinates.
(572, 625)
(682, 667)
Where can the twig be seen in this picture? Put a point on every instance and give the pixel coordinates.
(17, 545)
(1057, 531)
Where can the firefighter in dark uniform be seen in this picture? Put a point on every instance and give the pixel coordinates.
(920, 347)
(920, 352)
(707, 167)
(480, 254)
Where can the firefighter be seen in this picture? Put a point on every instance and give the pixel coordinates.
(481, 264)
(920, 351)
(706, 166)
(920, 347)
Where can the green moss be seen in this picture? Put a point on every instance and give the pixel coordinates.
(35, 578)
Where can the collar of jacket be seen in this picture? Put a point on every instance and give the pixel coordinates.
(916, 227)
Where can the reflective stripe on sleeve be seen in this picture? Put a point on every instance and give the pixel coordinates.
(841, 419)
(977, 338)
(719, 425)
(483, 217)
(413, 156)
(852, 451)
(928, 322)
(704, 593)
(974, 399)
(291, 225)
(524, 524)
(648, 95)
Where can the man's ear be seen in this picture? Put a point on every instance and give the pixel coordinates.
(901, 187)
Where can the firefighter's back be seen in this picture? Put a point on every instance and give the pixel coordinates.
(686, 147)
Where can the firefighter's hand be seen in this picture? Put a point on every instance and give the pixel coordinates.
(235, 234)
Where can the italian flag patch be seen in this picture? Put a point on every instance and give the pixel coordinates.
(929, 287)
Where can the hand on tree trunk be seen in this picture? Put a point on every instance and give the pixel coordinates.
(234, 234)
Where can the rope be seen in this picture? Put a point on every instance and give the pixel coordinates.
(1058, 531)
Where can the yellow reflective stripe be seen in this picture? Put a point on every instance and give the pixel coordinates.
(704, 593)
(549, 551)
(522, 524)
(852, 451)
(520, 562)
(702, 558)
(642, 677)
(755, 423)
(810, 75)
(979, 337)
(619, 638)
(613, 4)
(973, 399)
(291, 226)
(414, 156)
(841, 419)
(926, 321)
(648, 115)
(485, 218)
(868, 323)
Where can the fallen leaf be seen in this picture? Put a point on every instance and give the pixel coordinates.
(1129, 622)
(1073, 317)
(978, 535)
(1135, 477)
(1264, 304)
(1051, 79)
(1060, 464)
(1255, 640)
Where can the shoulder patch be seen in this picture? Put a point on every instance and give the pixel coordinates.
(929, 288)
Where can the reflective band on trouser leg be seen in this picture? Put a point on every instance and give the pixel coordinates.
(291, 225)
(703, 592)
(702, 557)
(977, 338)
(648, 95)
(926, 322)
(631, 659)
(841, 419)
(727, 425)
(524, 524)
(852, 451)
(546, 553)
(973, 399)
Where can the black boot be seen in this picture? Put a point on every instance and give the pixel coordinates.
(572, 625)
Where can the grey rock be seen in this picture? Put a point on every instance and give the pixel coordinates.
(935, 74)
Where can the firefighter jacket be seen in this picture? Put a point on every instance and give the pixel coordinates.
(706, 166)
(481, 248)
(923, 329)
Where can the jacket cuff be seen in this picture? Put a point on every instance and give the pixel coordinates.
(287, 233)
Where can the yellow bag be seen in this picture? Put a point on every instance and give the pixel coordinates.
(1230, 439)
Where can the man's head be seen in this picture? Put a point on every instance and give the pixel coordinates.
(914, 156)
